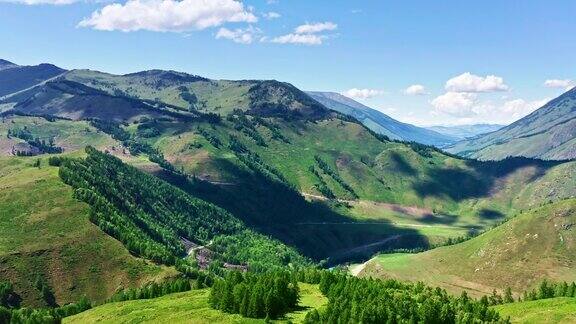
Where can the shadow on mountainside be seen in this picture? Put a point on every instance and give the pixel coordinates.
(479, 180)
(277, 210)
(401, 165)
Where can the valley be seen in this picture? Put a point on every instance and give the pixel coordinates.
(160, 175)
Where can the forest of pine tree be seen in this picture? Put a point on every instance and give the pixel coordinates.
(150, 217)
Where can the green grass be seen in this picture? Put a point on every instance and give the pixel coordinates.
(70, 135)
(385, 176)
(218, 96)
(45, 232)
(188, 307)
(535, 245)
(555, 310)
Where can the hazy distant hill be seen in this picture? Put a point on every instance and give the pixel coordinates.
(462, 132)
(547, 133)
(15, 78)
(380, 122)
(6, 64)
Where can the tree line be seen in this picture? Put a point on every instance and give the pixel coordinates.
(150, 216)
(360, 300)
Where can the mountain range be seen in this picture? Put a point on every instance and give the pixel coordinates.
(380, 122)
(144, 184)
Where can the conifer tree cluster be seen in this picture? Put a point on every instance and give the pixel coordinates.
(152, 290)
(150, 217)
(269, 295)
(551, 290)
(355, 300)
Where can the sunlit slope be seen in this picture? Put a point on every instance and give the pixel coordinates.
(393, 188)
(70, 136)
(553, 310)
(537, 244)
(186, 91)
(547, 133)
(188, 307)
(46, 233)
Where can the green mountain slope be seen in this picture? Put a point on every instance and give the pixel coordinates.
(380, 122)
(15, 78)
(554, 310)
(547, 133)
(46, 234)
(188, 307)
(378, 192)
(290, 168)
(535, 245)
(266, 98)
(71, 100)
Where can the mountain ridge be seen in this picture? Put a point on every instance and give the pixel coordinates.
(547, 133)
(380, 122)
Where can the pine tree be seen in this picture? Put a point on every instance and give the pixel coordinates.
(508, 297)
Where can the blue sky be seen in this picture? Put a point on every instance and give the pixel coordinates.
(467, 61)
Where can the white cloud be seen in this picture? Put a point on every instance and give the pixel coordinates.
(467, 108)
(566, 84)
(362, 93)
(467, 82)
(518, 108)
(299, 39)
(271, 15)
(168, 15)
(41, 2)
(315, 28)
(454, 103)
(307, 34)
(239, 35)
(416, 90)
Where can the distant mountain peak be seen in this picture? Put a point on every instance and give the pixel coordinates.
(378, 121)
(6, 64)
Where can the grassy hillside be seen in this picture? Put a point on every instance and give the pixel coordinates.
(547, 133)
(46, 233)
(364, 193)
(555, 310)
(71, 100)
(191, 92)
(391, 188)
(70, 136)
(188, 307)
(535, 245)
(380, 122)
